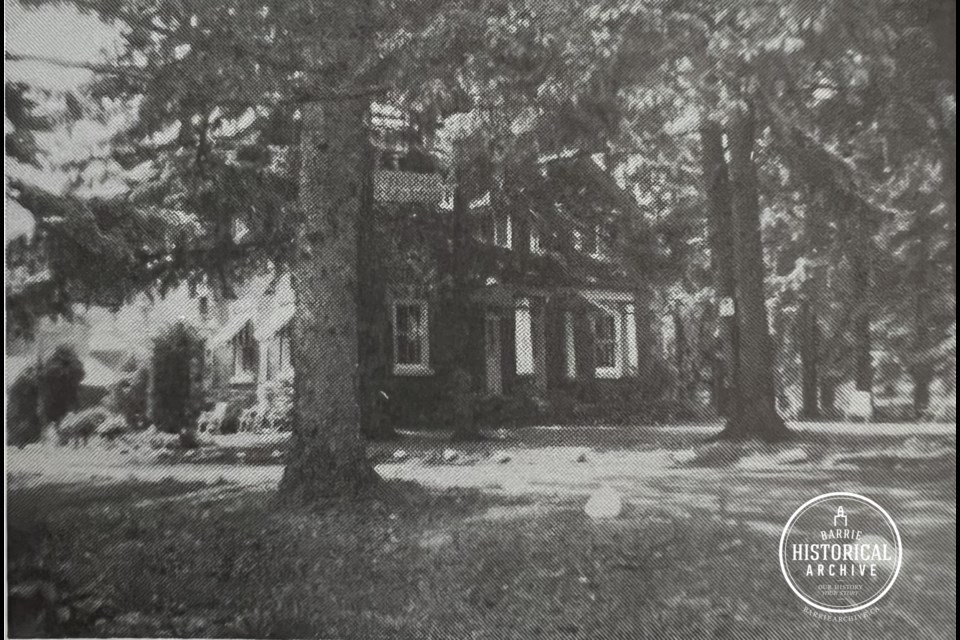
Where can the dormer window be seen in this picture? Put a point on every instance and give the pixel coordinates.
(502, 230)
(496, 227)
(594, 240)
(536, 239)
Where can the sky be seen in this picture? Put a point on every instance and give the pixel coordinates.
(60, 32)
(56, 31)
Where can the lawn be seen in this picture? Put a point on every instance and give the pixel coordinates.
(472, 549)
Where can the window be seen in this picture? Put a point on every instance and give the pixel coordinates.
(244, 355)
(596, 241)
(536, 239)
(411, 344)
(278, 359)
(615, 339)
(502, 230)
(606, 330)
(586, 240)
(285, 367)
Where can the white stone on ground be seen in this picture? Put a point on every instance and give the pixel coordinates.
(449, 455)
(605, 502)
(400, 454)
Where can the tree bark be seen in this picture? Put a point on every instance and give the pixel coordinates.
(465, 428)
(720, 223)
(756, 416)
(327, 453)
(373, 313)
(810, 332)
(809, 362)
(681, 359)
(862, 338)
(921, 370)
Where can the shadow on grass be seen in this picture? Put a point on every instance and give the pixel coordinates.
(404, 562)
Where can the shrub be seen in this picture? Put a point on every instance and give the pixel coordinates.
(176, 361)
(23, 421)
(279, 414)
(79, 426)
(60, 383)
(129, 399)
(113, 427)
(231, 418)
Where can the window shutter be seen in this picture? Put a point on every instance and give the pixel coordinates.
(524, 338)
(630, 339)
(569, 345)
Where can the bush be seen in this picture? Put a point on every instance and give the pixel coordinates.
(78, 427)
(177, 359)
(113, 427)
(23, 422)
(231, 418)
(279, 414)
(129, 399)
(60, 383)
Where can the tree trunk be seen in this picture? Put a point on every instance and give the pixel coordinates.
(327, 453)
(720, 222)
(681, 359)
(862, 339)
(756, 416)
(373, 314)
(810, 332)
(809, 362)
(921, 370)
(944, 22)
(465, 427)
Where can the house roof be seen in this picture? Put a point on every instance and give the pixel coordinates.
(276, 319)
(232, 327)
(98, 375)
(18, 221)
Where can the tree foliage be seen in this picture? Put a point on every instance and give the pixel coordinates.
(854, 145)
(176, 363)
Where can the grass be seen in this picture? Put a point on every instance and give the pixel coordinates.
(173, 559)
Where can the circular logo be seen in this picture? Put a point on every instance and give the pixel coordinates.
(840, 552)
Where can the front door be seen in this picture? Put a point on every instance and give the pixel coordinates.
(494, 354)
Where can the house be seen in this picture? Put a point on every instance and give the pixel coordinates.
(249, 352)
(103, 368)
(553, 321)
(547, 315)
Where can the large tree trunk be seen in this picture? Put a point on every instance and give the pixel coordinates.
(757, 416)
(862, 337)
(461, 387)
(681, 359)
(373, 315)
(327, 456)
(944, 23)
(809, 361)
(720, 221)
(810, 332)
(921, 370)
